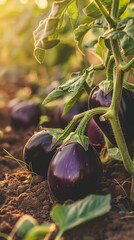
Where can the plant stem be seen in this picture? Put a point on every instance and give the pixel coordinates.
(89, 114)
(117, 91)
(126, 67)
(104, 11)
(128, 163)
(115, 7)
(68, 129)
(116, 51)
(110, 67)
(87, 88)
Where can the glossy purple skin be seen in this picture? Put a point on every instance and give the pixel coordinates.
(38, 153)
(95, 134)
(25, 114)
(73, 172)
(126, 116)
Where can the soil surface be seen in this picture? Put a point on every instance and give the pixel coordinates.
(19, 194)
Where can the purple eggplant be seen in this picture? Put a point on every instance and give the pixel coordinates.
(95, 134)
(25, 114)
(73, 172)
(98, 98)
(38, 152)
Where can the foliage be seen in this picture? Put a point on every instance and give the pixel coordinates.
(111, 24)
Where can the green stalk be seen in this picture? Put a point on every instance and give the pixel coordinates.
(87, 88)
(104, 11)
(126, 67)
(110, 68)
(116, 51)
(128, 163)
(68, 129)
(115, 7)
(89, 114)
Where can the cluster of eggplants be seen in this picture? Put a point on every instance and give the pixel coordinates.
(72, 172)
(99, 98)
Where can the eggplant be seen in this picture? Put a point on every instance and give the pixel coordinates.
(25, 114)
(95, 134)
(99, 98)
(73, 172)
(38, 152)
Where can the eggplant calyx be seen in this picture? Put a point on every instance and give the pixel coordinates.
(106, 86)
(83, 140)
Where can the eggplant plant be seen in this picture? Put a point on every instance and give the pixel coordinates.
(111, 102)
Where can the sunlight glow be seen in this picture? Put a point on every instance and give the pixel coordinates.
(23, 1)
(2, 1)
(42, 3)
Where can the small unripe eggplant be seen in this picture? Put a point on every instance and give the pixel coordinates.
(25, 114)
(38, 152)
(73, 172)
(99, 98)
(95, 134)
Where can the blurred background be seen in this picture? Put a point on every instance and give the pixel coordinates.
(21, 76)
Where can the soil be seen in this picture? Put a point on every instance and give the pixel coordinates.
(19, 194)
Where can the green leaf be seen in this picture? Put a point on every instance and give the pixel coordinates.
(73, 12)
(39, 232)
(115, 153)
(23, 226)
(72, 215)
(92, 10)
(127, 41)
(100, 48)
(46, 34)
(129, 29)
(122, 6)
(72, 86)
(80, 32)
(72, 101)
(39, 55)
(106, 86)
(125, 33)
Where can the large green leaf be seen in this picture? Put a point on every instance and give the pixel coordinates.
(128, 39)
(46, 34)
(69, 216)
(73, 98)
(80, 32)
(72, 86)
(92, 10)
(125, 33)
